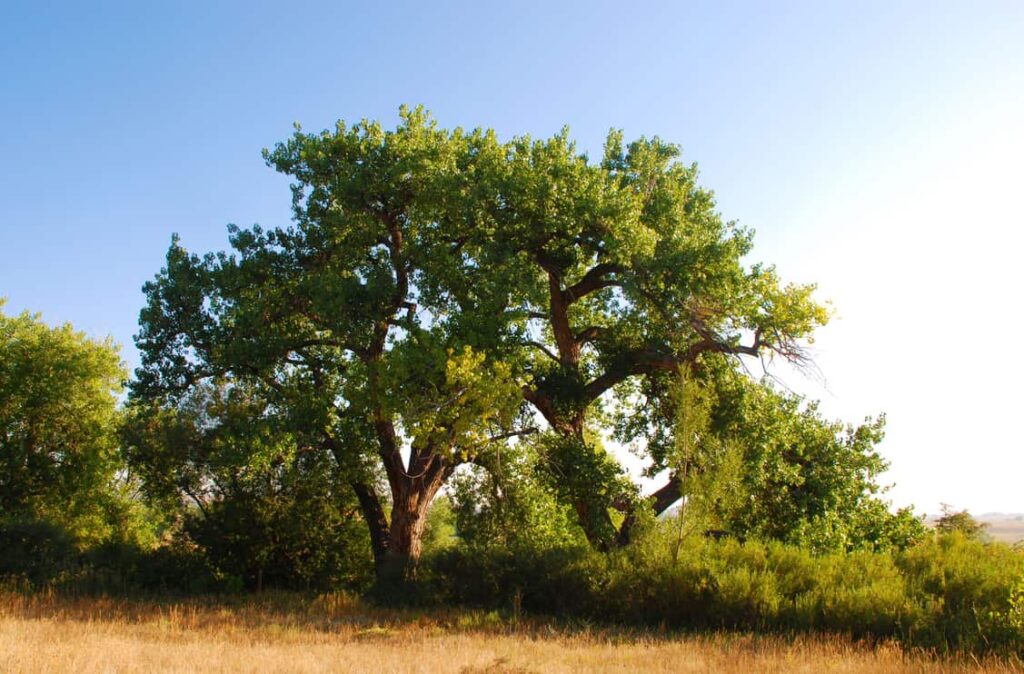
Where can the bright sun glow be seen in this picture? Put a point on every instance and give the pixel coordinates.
(921, 258)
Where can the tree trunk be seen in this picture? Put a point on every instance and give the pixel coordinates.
(408, 520)
(596, 523)
(398, 544)
(660, 501)
(376, 521)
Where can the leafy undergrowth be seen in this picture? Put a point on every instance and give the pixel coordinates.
(948, 594)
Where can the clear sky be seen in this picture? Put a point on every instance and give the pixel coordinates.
(876, 148)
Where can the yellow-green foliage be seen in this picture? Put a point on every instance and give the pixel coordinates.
(968, 592)
(949, 593)
(58, 412)
(1015, 616)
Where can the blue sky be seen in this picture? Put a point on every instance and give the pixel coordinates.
(876, 147)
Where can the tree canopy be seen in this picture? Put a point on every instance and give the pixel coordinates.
(442, 293)
(58, 416)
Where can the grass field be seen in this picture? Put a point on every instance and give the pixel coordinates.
(334, 633)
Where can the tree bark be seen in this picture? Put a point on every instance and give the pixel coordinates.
(660, 501)
(398, 544)
(376, 521)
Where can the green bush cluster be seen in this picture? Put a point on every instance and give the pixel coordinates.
(38, 554)
(947, 593)
(34, 551)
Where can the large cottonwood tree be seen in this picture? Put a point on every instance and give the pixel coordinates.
(441, 292)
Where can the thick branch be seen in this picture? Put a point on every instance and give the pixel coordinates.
(589, 334)
(399, 298)
(595, 279)
(558, 311)
(646, 361)
(389, 449)
(421, 461)
(512, 434)
(438, 471)
(568, 349)
(560, 300)
(382, 422)
(640, 361)
(546, 407)
(369, 503)
(660, 501)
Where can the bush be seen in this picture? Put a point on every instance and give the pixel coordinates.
(35, 551)
(173, 568)
(948, 593)
(553, 581)
(964, 588)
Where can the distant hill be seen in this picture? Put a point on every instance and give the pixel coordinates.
(1000, 516)
(1008, 528)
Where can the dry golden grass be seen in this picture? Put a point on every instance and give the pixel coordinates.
(333, 633)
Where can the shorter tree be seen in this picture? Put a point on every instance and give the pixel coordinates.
(58, 416)
(961, 521)
(762, 463)
(262, 503)
(710, 468)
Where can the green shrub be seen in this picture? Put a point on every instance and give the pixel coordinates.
(1015, 615)
(964, 588)
(864, 596)
(36, 551)
(948, 593)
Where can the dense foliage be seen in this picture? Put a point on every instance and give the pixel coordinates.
(754, 462)
(260, 506)
(763, 463)
(58, 417)
(442, 291)
(947, 593)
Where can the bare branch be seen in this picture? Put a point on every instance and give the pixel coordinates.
(647, 361)
(512, 434)
(546, 350)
